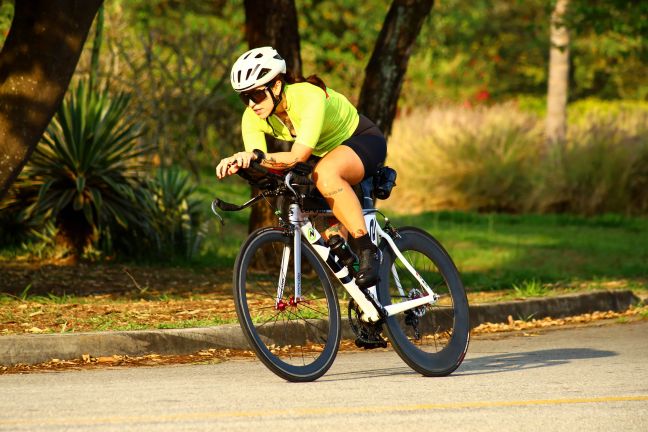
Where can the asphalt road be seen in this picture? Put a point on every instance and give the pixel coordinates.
(590, 379)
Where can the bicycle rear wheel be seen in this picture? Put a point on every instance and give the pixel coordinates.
(431, 339)
(296, 338)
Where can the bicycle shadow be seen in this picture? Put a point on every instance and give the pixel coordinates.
(512, 362)
(491, 364)
(367, 373)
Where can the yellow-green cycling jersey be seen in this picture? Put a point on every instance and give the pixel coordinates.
(322, 120)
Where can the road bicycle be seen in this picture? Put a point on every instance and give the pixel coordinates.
(287, 304)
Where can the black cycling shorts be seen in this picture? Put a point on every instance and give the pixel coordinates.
(369, 144)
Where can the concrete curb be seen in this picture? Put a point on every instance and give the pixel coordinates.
(32, 349)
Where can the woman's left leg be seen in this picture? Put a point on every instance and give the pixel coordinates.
(333, 176)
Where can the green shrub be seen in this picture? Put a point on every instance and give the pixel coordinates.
(14, 227)
(90, 179)
(175, 224)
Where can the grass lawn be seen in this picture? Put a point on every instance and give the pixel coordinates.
(495, 251)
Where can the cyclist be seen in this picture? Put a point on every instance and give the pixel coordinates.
(320, 123)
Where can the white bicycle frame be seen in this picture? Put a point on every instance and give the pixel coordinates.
(300, 222)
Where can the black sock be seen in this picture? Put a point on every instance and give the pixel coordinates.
(364, 242)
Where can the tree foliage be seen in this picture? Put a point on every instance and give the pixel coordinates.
(175, 58)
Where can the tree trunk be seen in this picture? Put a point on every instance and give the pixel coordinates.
(386, 69)
(36, 64)
(272, 23)
(556, 127)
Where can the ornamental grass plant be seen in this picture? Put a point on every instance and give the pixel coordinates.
(495, 159)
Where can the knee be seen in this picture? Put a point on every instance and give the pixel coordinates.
(324, 173)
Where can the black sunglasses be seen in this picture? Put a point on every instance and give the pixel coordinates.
(257, 96)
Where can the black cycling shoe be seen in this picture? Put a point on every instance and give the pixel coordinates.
(368, 267)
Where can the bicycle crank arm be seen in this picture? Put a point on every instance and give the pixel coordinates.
(369, 311)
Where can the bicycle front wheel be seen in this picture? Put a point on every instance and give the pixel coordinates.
(295, 336)
(431, 339)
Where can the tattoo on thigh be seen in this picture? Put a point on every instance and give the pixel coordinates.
(330, 194)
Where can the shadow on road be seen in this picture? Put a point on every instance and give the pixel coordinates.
(497, 363)
(367, 373)
(509, 362)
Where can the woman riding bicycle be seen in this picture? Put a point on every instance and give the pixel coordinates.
(321, 123)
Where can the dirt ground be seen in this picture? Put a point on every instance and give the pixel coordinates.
(117, 280)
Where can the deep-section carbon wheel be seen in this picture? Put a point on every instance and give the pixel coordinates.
(295, 337)
(431, 339)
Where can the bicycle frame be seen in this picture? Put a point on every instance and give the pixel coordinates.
(299, 221)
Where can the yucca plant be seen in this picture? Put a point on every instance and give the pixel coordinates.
(85, 173)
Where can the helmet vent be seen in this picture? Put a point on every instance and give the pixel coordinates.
(258, 55)
(256, 68)
(263, 72)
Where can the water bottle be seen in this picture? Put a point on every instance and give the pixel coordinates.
(342, 251)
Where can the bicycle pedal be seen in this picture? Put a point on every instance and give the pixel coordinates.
(370, 344)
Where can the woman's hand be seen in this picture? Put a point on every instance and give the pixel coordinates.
(231, 165)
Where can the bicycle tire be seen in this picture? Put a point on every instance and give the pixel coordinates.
(444, 326)
(300, 342)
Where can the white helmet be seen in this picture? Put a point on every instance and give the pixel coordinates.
(256, 67)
